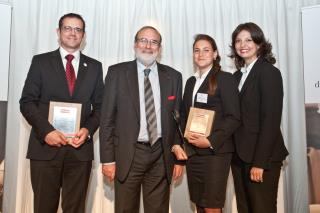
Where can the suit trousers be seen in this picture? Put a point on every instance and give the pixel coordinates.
(147, 172)
(64, 173)
(254, 197)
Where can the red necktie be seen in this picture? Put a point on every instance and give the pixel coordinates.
(71, 76)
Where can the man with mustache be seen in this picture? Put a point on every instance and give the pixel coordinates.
(137, 128)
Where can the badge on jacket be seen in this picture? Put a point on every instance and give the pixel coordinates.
(202, 97)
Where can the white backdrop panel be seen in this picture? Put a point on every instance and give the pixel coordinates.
(5, 23)
(311, 56)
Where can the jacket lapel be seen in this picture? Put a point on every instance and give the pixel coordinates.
(251, 77)
(238, 75)
(189, 92)
(165, 85)
(165, 91)
(203, 88)
(133, 84)
(82, 70)
(56, 62)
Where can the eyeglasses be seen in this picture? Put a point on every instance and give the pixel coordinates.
(145, 42)
(69, 29)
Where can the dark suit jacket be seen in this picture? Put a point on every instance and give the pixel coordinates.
(225, 103)
(120, 115)
(259, 140)
(46, 81)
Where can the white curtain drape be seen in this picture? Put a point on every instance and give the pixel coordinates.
(111, 26)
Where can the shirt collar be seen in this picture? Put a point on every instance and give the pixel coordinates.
(246, 69)
(203, 76)
(142, 67)
(63, 54)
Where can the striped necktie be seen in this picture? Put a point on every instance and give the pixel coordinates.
(150, 109)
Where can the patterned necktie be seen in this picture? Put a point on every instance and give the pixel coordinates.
(150, 109)
(70, 74)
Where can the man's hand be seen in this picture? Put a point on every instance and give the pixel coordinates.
(199, 141)
(80, 138)
(179, 152)
(109, 171)
(256, 174)
(55, 138)
(177, 172)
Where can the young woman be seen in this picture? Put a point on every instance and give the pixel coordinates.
(211, 89)
(259, 144)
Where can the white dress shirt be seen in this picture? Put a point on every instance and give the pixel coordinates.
(245, 72)
(199, 81)
(75, 61)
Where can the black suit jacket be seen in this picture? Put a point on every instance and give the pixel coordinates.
(225, 103)
(46, 81)
(259, 140)
(120, 115)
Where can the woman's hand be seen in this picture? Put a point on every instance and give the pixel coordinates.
(179, 152)
(199, 141)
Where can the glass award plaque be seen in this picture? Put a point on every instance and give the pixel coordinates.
(65, 117)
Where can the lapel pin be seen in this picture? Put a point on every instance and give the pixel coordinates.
(85, 64)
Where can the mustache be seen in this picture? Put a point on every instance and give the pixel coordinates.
(146, 58)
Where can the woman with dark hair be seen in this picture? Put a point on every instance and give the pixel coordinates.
(211, 89)
(260, 149)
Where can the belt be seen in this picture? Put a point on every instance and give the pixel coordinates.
(146, 143)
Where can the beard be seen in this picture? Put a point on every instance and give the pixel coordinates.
(146, 58)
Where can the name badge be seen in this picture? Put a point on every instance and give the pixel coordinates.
(202, 98)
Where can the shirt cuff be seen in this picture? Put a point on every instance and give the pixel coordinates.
(111, 163)
(174, 147)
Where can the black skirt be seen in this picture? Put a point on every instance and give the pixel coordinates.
(207, 179)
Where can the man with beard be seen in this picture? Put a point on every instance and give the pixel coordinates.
(137, 128)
